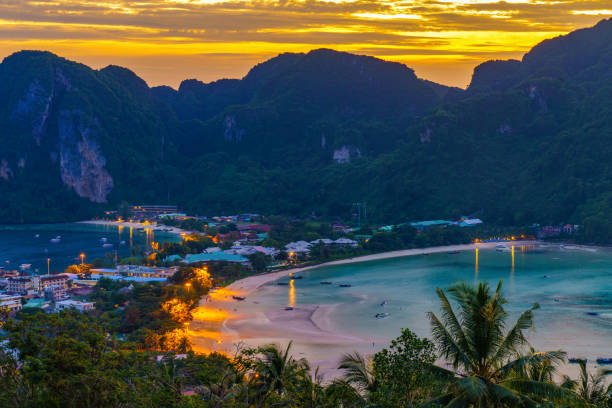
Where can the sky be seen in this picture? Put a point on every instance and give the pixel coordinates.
(166, 41)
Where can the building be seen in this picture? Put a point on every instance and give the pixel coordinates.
(10, 302)
(139, 271)
(216, 257)
(345, 242)
(421, 225)
(41, 304)
(254, 228)
(469, 222)
(21, 285)
(52, 287)
(150, 211)
(74, 304)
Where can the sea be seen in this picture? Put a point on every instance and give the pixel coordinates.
(572, 286)
(32, 244)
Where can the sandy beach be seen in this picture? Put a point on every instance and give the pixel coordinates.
(224, 323)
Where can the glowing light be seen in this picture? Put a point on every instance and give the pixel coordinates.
(476, 265)
(291, 293)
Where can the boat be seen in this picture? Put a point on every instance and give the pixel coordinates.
(384, 302)
(576, 360)
(381, 315)
(282, 283)
(25, 266)
(604, 361)
(122, 243)
(55, 240)
(297, 277)
(288, 308)
(241, 298)
(452, 252)
(501, 248)
(345, 285)
(37, 236)
(107, 245)
(326, 283)
(103, 239)
(592, 313)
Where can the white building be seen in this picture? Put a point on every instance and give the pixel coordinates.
(52, 287)
(10, 302)
(74, 304)
(22, 285)
(298, 247)
(139, 271)
(345, 242)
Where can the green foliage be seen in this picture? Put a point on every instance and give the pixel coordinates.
(404, 373)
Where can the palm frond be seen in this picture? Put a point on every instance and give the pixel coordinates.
(520, 363)
(447, 344)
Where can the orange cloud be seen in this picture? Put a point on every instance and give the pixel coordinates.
(166, 41)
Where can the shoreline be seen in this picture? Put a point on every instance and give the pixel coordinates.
(222, 323)
(251, 283)
(135, 225)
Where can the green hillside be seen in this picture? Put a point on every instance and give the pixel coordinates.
(529, 141)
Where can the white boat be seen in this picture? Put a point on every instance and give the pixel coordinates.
(25, 266)
(55, 240)
(122, 243)
(501, 248)
(107, 245)
(103, 239)
(37, 236)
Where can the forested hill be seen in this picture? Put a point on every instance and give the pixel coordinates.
(529, 141)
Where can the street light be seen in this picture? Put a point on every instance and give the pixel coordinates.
(48, 260)
(82, 257)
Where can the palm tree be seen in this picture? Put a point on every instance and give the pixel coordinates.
(489, 364)
(590, 388)
(357, 372)
(278, 370)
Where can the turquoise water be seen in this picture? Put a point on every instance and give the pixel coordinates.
(19, 244)
(567, 282)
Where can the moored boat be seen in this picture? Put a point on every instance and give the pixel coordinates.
(381, 315)
(241, 298)
(326, 283)
(604, 360)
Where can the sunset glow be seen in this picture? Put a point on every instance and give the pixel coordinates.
(166, 41)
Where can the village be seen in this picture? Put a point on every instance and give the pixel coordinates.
(250, 242)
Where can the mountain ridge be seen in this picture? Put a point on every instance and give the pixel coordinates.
(314, 132)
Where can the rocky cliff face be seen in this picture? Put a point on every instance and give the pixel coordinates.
(81, 162)
(60, 121)
(80, 158)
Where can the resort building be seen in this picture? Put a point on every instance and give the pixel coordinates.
(469, 222)
(139, 271)
(52, 287)
(41, 304)
(345, 242)
(21, 285)
(151, 211)
(10, 302)
(421, 225)
(74, 304)
(216, 257)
